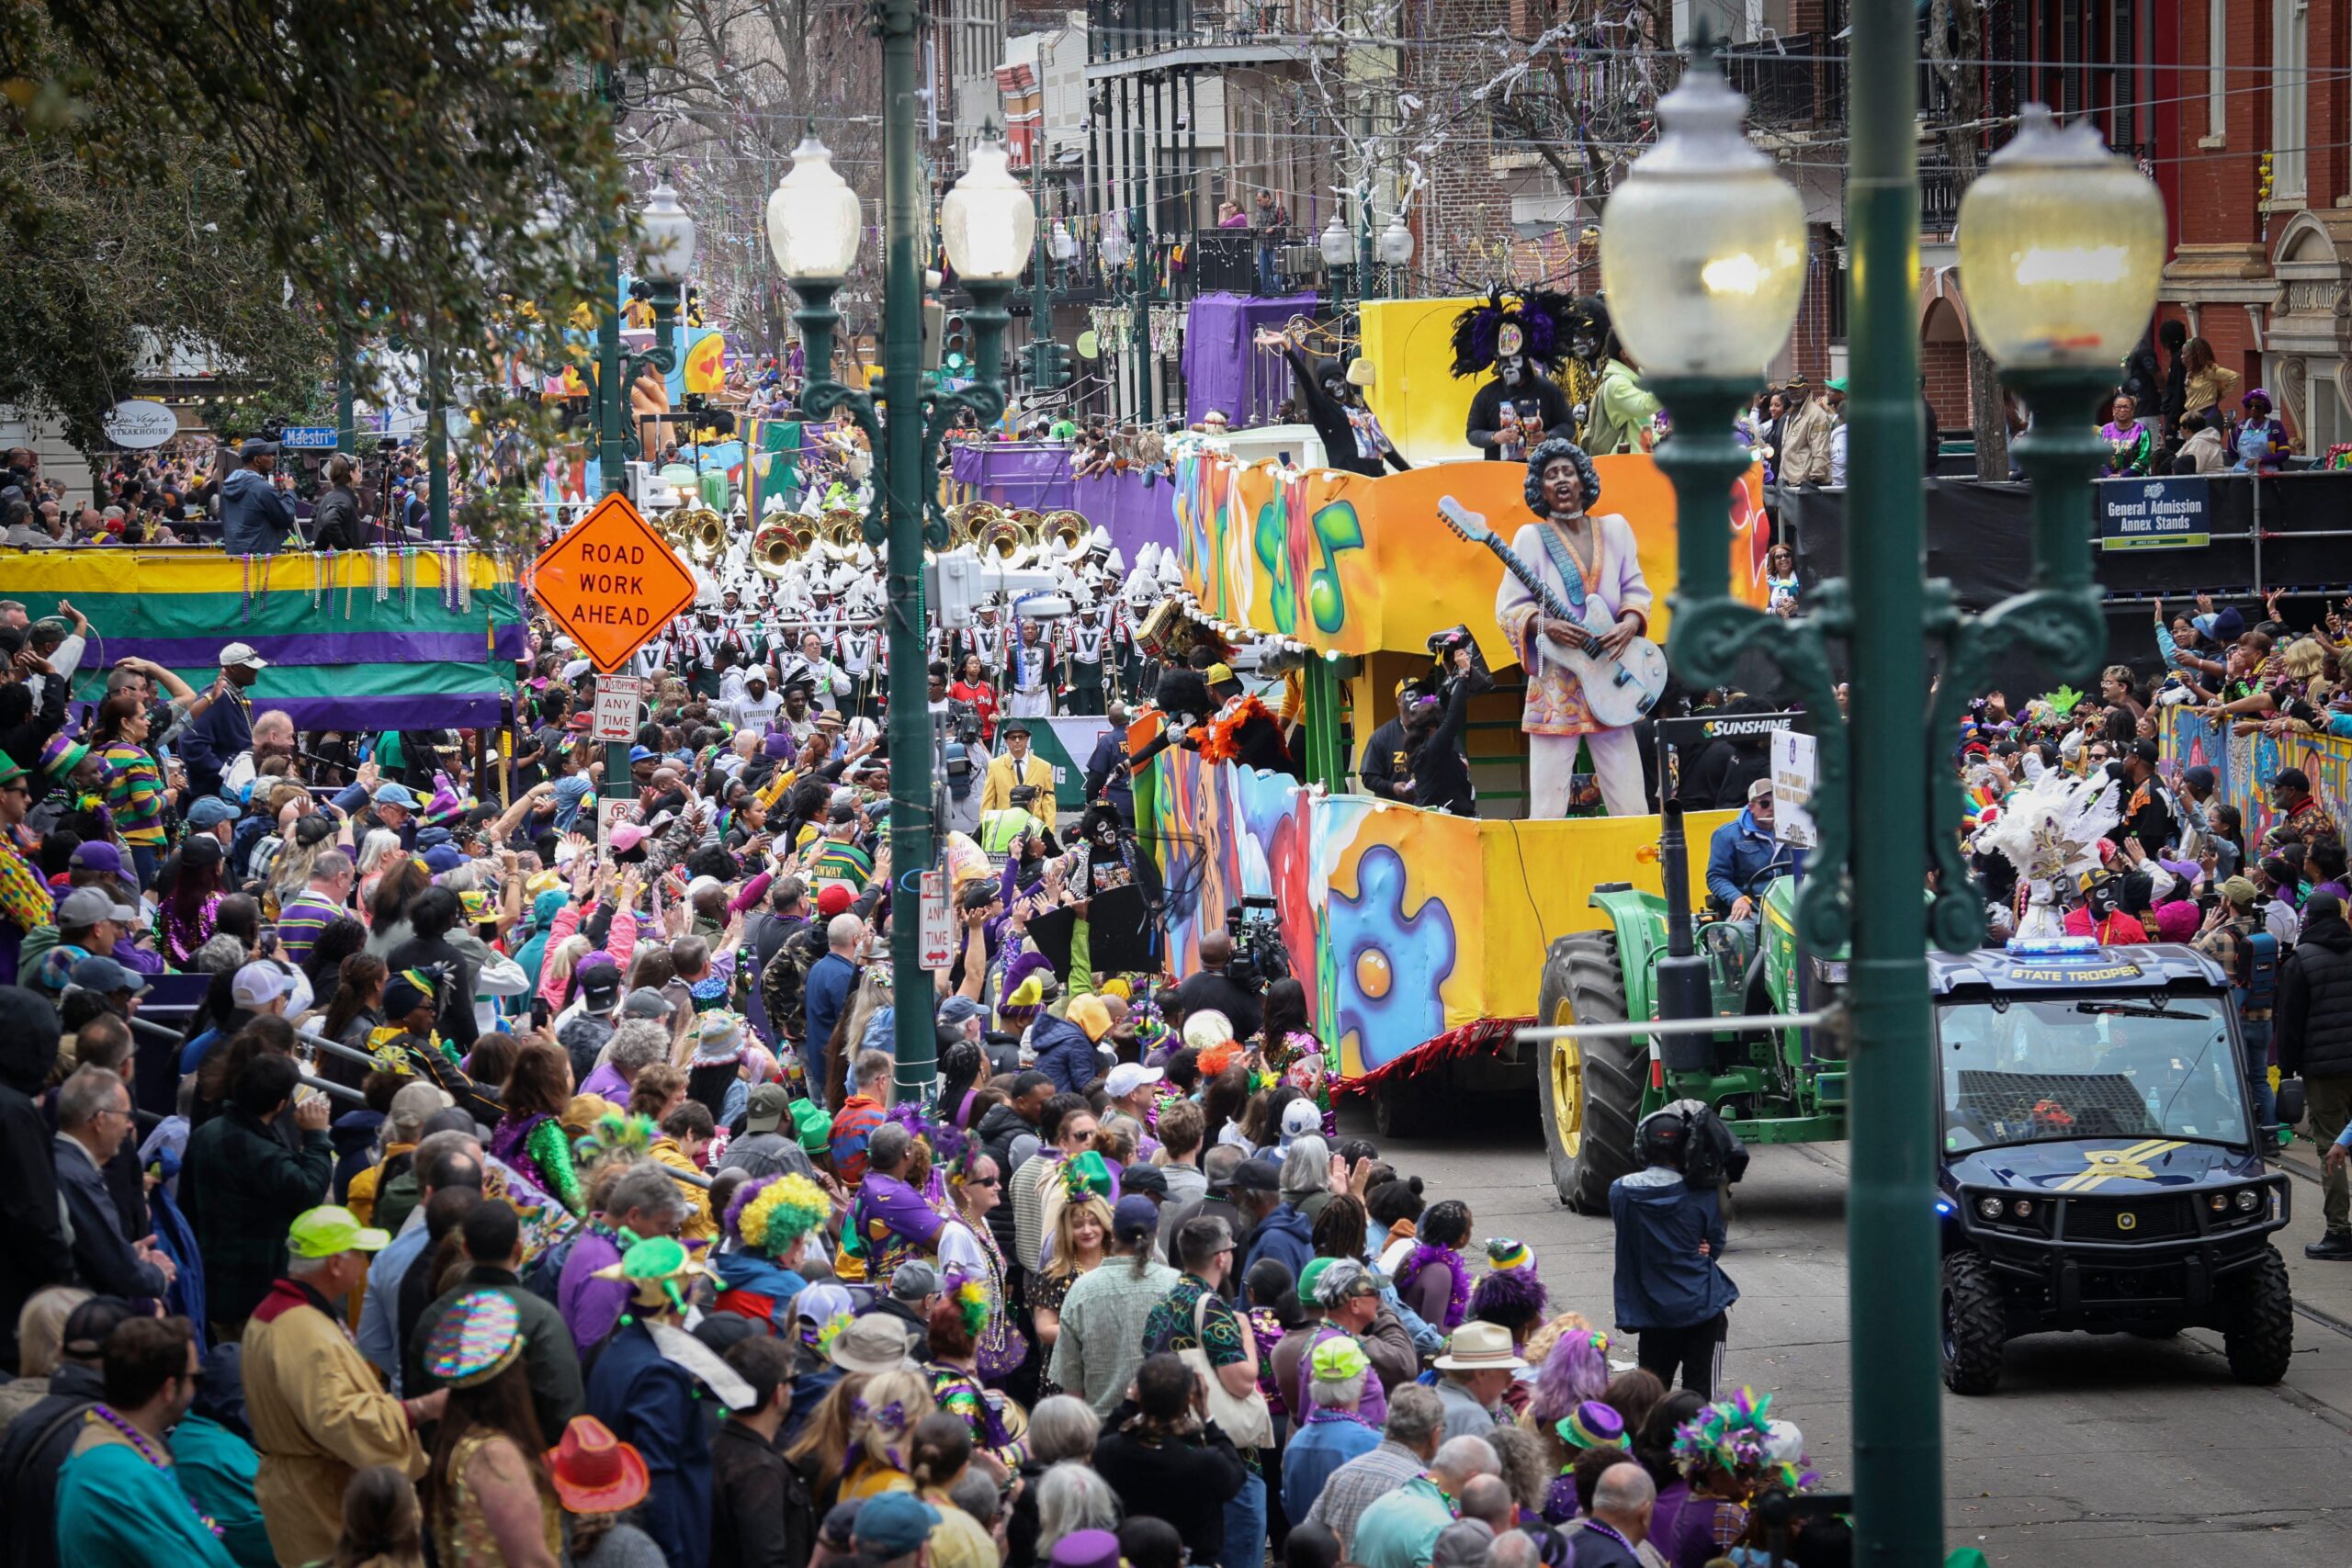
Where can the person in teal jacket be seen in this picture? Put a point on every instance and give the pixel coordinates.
(122, 1501)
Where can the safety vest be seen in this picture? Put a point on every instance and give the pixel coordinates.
(1000, 830)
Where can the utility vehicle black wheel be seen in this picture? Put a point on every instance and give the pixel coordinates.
(2259, 1321)
(1974, 1325)
(1590, 1090)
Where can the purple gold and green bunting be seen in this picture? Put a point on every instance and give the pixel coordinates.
(421, 638)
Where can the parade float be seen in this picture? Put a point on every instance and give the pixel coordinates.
(1420, 937)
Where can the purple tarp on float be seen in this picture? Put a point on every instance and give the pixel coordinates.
(1223, 368)
(1021, 473)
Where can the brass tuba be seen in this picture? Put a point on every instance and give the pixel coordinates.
(701, 531)
(841, 528)
(775, 547)
(1001, 537)
(1067, 533)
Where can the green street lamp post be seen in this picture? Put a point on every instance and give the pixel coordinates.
(665, 238)
(1397, 252)
(1702, 256)
(987, 224)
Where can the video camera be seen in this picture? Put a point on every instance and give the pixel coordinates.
(1258, 957)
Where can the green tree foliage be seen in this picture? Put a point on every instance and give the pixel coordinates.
(434, 160)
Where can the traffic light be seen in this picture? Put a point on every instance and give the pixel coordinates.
(1049, 364)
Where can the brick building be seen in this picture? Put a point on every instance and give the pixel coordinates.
(2268, 282)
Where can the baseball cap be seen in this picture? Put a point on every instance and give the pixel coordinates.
(1136, 1217)
(1142, 1178)
(763, 1111)
(647, 1003)
(101, 974)
(2291, 778)
(88, 906)
(238, 653)
(1759, 789)
(628, 835)
(893, 1525)
(600, 983)
(1300, 1118)
(325, 1231)
(1258, 1175)
(641, 753)
(209, 811)
(257, 984)
(394, 794)
(255, 446)
(835, 899)
(443, 858)
(2238, 890)
(956, 1011)
(1836, 383)
(1129, 1077)
(914, 1279)
(99, 855)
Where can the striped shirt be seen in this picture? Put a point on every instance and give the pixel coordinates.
(837, 860)
(134, 794)
(300, 922)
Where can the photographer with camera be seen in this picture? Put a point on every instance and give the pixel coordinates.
(1214, 990)
(1439, 776)
(1670, 1290)
(967, 763)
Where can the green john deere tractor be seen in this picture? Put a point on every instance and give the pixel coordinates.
(1782, 1085)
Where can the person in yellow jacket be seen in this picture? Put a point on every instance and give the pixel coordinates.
(686, 1131)
(1017, 764)
(319, 1413)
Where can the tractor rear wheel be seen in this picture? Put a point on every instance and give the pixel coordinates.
(1590, 1090)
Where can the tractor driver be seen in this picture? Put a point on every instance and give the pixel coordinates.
(1744, 858)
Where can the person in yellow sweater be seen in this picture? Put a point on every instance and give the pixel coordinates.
(318, 1411)
(686, 1131)
(1017, 764)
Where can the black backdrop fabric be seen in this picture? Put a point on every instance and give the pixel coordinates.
(1980, 537)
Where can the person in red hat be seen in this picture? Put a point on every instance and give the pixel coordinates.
(600, 1481)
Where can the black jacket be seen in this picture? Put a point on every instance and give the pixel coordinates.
(37, 1443)
(1385, 757)
(334, 523)
(1186, 1480)
(762, 1516)
(1107, 774)
(1441, 767)
(102, 1260)
(36, 1255)
(241, 1190)
(999, 1127)
(2314, 1017)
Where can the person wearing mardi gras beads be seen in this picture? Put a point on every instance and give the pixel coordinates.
(959, 1320)
(120, 1503)
(487, 1496)
(771, 1222)
(890, 1221)
(647, 1386)
(1590, 1426)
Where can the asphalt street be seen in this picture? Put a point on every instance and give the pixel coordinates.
(2101, 1451)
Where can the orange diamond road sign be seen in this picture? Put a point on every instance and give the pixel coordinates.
(612, 583)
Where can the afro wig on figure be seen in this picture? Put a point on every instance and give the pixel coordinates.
(1529, 322)
(1184, 696)
(1543, 454)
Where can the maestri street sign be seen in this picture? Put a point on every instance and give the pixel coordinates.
(612, 583)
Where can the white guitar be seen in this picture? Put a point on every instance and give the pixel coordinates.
(1617, 690)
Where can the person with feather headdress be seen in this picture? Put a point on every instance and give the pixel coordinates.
(1615, 411)
(1517, 336)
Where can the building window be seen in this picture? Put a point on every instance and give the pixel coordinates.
(2217, 68)
(2290, 96)
(2326, 416)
